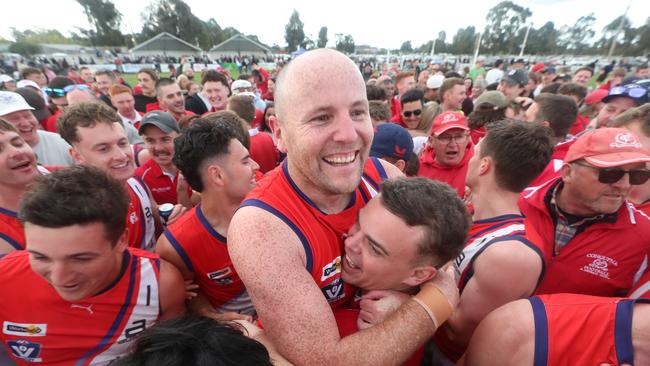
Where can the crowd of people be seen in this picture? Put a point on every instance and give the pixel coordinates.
(326, 212)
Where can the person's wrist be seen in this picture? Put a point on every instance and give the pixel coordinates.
(434, 302)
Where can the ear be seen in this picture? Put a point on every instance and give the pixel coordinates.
(123, 241)
(566, 173)
(430, 141)
(420, 275)
(215, 174)
(276, 128)
(401, 165)
(76, 156)
(486, 165)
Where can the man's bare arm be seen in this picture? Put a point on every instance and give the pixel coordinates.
(503, 273)
(271, 261)
(172, 291)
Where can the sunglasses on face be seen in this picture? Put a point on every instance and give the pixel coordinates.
(416, 113)
(613, 175)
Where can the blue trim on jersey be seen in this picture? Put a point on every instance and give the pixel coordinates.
(541, 332)
(305, 243)
(118, 319)
(293, 185)
(494, 227)
(363, 195)
(9, 212)
(500, 218)
(179, 249)
(380, 168)
(11, 241)
(207, 226)
(623, 332)
(143, 218)
(126, 260)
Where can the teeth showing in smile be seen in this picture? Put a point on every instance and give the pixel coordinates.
(341, 158)
(121, 165)
(350, 261)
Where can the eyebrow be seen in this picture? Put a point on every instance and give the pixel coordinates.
(67, 256)
(372, 241)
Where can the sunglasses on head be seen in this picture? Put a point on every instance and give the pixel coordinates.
(613, 175)
(61, 92)
(416, 112)
(632, 91)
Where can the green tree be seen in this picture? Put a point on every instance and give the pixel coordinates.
(577, 39)
(624, 39)
(504, 22)
(463, 41)
(542, 41)
(24, 48)
(105, 20)
(643, 44)
(406, 47)
(322, 37)
(345, 43)
(39, 36)
(441, 45)
(175, 17)
(293, 32)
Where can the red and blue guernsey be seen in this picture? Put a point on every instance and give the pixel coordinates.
(575, 329)
(321, 234)
(602, 259)
(38, 326)
(11, 229)
(139, 218)
(482, 235)
(205, 253)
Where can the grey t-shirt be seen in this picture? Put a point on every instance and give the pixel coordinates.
(52, 150)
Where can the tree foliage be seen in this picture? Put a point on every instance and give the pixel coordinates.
(345, 43)
(105, 20)
(464, 40)
(406, 47)
(504, 22)
(322, 37)
(294, 33)
(25, 48)
(577, 39)
(40, 36)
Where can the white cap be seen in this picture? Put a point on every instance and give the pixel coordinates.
(11, 102)
(435, 81)
(25, 83)
(4, 78)
(240, 84)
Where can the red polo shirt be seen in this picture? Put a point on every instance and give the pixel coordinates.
(452, 175)
(162, 187)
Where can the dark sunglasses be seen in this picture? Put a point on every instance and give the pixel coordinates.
(613, 175)
(416, 112)
(59, 92)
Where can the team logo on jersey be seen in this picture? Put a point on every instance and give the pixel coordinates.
(222, 276)
(133, 218)
(25, 330)
(25, 350)
(334, 291)
(331, 269)
(599, 265)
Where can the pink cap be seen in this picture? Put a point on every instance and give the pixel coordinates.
(448, 120)
(596, 96)
(608, 147)
(537, 67)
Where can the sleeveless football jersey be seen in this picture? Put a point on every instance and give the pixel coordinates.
(205, 253)
(11, 230)
(139, 218)
(41, 327)
(321, 234)
(575, 329)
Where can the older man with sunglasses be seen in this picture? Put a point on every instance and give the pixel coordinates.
(447, 151)
(598, 240)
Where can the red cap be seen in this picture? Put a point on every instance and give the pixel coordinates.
(596, 96)
(537, 67)
(608, 147)
(448, 120)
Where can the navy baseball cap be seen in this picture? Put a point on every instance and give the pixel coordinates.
(392, 140)
(638, 93)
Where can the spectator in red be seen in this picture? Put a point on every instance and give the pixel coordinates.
(86, 75)
(170, 98)
(388, 85)
(447, 151)
(146, 100)
(619, 100)
(269, 95)
(104, 79)
(615, 79)
(452, 94)
(411, 108)
(558, 112)
(122, 98)
(158, 130)
(578, 93)
(260, 79)
(262, 147)
(213, 97)
(583, 75)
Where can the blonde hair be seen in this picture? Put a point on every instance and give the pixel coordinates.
(431, 111)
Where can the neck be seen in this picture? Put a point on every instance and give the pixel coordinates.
(330, 203)
(486, 206)
(218, 210)
(565, 204)
(169, 168)
(10, 196)
(151, 94)
(641, 334)
(448, 108)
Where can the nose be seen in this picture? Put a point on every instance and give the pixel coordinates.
(58, 274)
(254, 165)
(345, 130)
(623, 183)
(351, 242)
